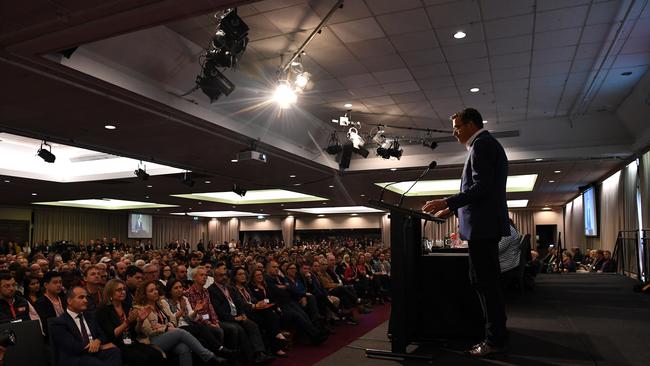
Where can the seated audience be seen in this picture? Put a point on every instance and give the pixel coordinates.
(13, 307)
(609, 263)
(53, 302)
(121, 327)
(93, 281)
(78, 339)
(568, 264)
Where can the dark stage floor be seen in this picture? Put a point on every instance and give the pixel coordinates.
(575, 319)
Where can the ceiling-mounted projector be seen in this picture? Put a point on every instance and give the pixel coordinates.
(252, 155)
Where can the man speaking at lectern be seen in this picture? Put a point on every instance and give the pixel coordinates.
(483, 217)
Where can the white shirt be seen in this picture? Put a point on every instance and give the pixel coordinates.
(77, 321)
(469, 143)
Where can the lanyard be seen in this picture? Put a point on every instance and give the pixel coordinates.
(13, 311)
(245, 294)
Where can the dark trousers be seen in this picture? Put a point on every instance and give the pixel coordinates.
(484, 276)
(250, 338)
(141, 354)
(107, 357)
(210, 337)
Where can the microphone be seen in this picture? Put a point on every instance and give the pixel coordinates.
(431, 166)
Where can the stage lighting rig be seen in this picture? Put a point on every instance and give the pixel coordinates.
(226, 48)
(46, 155)
(141, 173)
(333, 146)
(390, 149)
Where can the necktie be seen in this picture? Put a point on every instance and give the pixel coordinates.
(84, 332)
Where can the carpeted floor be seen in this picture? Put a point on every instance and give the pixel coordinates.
(574, 319)
(302, 355)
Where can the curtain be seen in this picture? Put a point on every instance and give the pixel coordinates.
(169, 229)
(68, 224)
(525, 222)
(385, 230)
(288, 225)
(226, 230)
(434, 231)
(644, 174)
(574, 225)
(611, 218)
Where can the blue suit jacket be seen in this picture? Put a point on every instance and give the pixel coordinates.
(481, 204)
(67, 338)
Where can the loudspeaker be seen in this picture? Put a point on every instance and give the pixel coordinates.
(346, 156)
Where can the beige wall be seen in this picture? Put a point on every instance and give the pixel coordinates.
(12, 213)
(254, 224)
(553, 217)
(338, 222)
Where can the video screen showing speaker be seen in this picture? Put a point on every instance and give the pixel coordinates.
(590, 211)
(140, 226)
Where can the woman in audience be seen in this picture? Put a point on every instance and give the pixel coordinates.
(261, 312)
(121, 326)
(159, 325)
(32, 289)
(189, 319)
(165, 274)
(568, 265)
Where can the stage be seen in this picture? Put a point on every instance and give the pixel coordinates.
(570, 319)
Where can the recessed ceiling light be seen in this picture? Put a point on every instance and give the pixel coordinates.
(34, 194)
(484, 121)
(363, 195)
(517, 203)
(354, 214)
(200, 203)
(110, 127)
(348, 105)
(207, 182)
(296, 184)
(321, 215)
(551, 181)
(190, 208)
(282, 204)
(558, 171)
(292, 176)
(149, 186)
(474, 90)
(460, 35)
(331, 186)
(234, 160)
(324, 203)
(546, 208)
(146, 197)
(538, 159)
(627, 73)
(7, 181)
(393, 169)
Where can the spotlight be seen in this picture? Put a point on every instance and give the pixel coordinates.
(284, 95)
(212, 82)
(333, 145)
(432, 145)
(187, 180)
(239, 190)
(361, 151)
(379, 138)
(46, 154)
(387, 150)
(141, 173)
(302, 80)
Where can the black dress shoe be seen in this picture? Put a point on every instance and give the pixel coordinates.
(227, 352)
(484, 349)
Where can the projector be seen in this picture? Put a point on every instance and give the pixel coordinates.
(252, 155)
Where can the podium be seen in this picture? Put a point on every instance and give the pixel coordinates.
(406, 251)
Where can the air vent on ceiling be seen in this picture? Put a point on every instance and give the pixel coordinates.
(92, 157)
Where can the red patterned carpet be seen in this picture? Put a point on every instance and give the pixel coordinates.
(303, 355)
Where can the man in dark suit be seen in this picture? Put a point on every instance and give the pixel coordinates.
(78, 339)
(52, 303)
(483, 214)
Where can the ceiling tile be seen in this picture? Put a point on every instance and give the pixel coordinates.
(555, 82)
(558, 38)
(346, 69)
(439, 93)
(511, 60)
(358, 81)
(425, 57)
(543, 5)
(260, 27)
(401, 87)
(357, 30)
(636, 45)
(371, 48)
(414, 41)
(375, 101)
(367, 92)
(502, 46)
(412, 97)
(354, 9)
(595, 33)
(632, 59)
(604, 12)
(422, 72)
(335, 96)
(201, 21)
(393, 76)
(550, 69)
(270, 47)
(474, 78)
(454, 13)
(504, 87)
(509, 27)
(331, 55)
(553, 55)
(328, 85)
(511, 74)
(465, 51)
(268, 5)
(588, 50)
(492, 9)
(560, 18)
(469, 66)
(389, 109)
(419, 110)
(404, 22)
(246, 10)
(374, 64)
(435, 83)
(390, 6)
(293, 18)
(583, 64)
(641, 28)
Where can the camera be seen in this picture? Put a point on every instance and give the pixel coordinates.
(7, 338)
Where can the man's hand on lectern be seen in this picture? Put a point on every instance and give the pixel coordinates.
(434, 206)
(444, 214)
